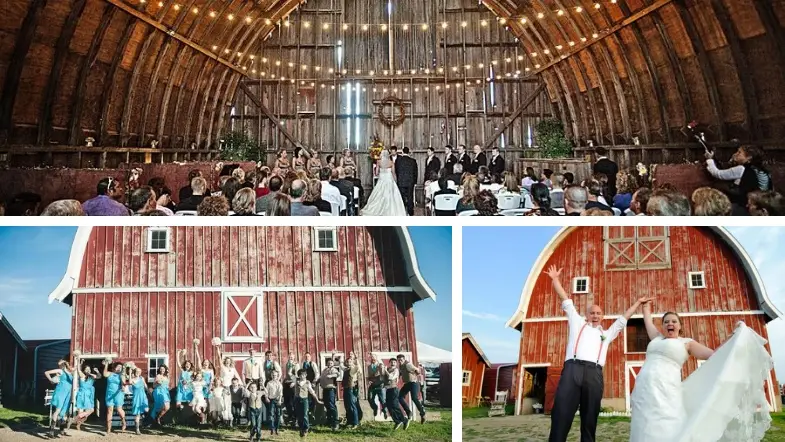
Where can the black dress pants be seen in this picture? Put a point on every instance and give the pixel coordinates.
(580, 385)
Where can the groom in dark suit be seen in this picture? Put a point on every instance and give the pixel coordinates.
(406, 174)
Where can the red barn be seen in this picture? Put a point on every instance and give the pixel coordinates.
(499, 377)
(702, 273)
(140, 293)
(474, 363)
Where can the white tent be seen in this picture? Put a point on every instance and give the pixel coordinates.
(428, 355)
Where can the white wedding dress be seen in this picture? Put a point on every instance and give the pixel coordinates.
(721, 401)
(385, 199)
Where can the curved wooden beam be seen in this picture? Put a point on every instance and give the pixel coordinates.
(106, 98)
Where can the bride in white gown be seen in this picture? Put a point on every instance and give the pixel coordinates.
(385, 199)
(721, 401)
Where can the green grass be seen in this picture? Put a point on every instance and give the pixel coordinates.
(19, 417)
(478, 412)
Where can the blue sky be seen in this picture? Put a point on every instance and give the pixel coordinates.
(33, 261)
(497, 261)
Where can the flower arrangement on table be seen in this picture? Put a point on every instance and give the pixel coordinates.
(375, 152)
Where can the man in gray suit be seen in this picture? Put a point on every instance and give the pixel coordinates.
(275, 185)
(297, 192)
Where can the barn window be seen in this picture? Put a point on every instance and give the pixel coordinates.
(632, 247)
(637, 336)
(467, 378)
(696, 280)
(158, 239)
(580, 284)
(153, 362)
(325, 239)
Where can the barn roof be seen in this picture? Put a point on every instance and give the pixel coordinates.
(13, 332)
(477, 347)
(744, 259)
(65, 287)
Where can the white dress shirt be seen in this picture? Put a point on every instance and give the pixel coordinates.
(592, 342)
(253, 370)
(733, 174)
(331, 194)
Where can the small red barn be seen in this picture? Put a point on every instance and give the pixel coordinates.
(499, 377)
(140, 293)
(702, 273)
(473, 365)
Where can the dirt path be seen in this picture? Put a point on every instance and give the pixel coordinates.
(533, 428)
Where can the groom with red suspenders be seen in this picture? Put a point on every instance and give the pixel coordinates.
(581, 382)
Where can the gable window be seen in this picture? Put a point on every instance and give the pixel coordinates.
(153, 363)
(158, 239)
(580, 284)
(325, 239)
(696, 280)
(633, 247)
(637, 337)
(467, 378)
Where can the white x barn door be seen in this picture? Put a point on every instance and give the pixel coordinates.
(242, 317)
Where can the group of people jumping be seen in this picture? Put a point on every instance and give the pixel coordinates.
(265, 393)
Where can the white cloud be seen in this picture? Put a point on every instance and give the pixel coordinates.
(483, 316)
(15, 291)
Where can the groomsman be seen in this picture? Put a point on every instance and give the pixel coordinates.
(253, 370)
(479, 159)
(289, 381)
(270, 365)
(581, 381)
(497, 165)
(311, 375)
(449, 159)
(375, 378)
(411, 387)
(464, 159)
(432, 163)
(328, 381)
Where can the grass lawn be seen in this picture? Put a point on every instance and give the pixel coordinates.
(23, 423)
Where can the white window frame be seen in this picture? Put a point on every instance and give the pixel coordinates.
(333, 230)
(151, 357)
(689, 280)
(324, 355)
(260, 319)
(575, 284)
(466, 379)
(150, 231)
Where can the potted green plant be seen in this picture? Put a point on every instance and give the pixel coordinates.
(237, 146)
(552, 140)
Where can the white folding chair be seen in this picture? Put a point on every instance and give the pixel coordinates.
(507, 202)
(261, 214)
(445, 202)
(561, 212)
(527, 202)
(336, 209)
(515, 212)
(356, 200)
(629, 212)
(325, 214)
(486, 187)
(186, 213)
(231, 212)
(468, 213)
(616, 211)
(343, 202)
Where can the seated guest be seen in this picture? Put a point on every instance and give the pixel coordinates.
(486, 204)
(155, 213)
(470, 190)
(666, 202)
(541, 198)
(456, 175)
(104, 204)
(250, 180)
(185, 191)
(263, 176)
(350, 176)
(575, 199)
(281, 205)
(330, 193)
(297, 208)
(431, 184)
(640, 201)
(64, 208)
(596, 211)
(244, 202)
(288, 179)
(314, 196)
(529, 179)
(569, 179)
(595, 192)
(603, 180)
(346, 188)
(510, 184)
(444, 189)
(221, 181)
(239, 175)
(23, 204)
(230, 189)
(483, 175)
(198, 189)
(761, 203)
(275, 185)
(142, 200)
(545, 178)
(626, 185)
(748, 174)
(163, 194)
(707, 201)
(557, 192)
(213, 206)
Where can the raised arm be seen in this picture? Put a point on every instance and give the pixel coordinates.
(651, 329)
(197, 357)
(107, 373)
(554, 273)
(52, 374)
(698, 350)
(634, 307)
(181, 355)
(95, 374)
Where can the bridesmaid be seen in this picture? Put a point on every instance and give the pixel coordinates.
(115, 397)
(330, 162)
(184, 390)
(301, 157)
(139, 403)
(314, 164)
(207, 370)
(347, 160)
(85, 396)
(63, 377)
(161, 397)
(282, 163)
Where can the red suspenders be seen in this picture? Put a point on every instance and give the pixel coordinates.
(575, 349)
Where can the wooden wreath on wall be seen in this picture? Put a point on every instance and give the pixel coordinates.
(398, 117)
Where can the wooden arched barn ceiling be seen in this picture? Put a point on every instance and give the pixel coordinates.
(127, 72)
(115, 69)
(618, 69)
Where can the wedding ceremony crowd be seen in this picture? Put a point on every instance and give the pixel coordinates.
(266, 394)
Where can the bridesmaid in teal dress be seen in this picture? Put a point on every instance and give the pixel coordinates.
(161, 397)
(115, 397)
(63, 377)
(85, 396)
(139, 403)
(208, 371)
(185, 392)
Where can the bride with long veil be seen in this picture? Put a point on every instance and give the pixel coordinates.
(385, 199)
(723, 400)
